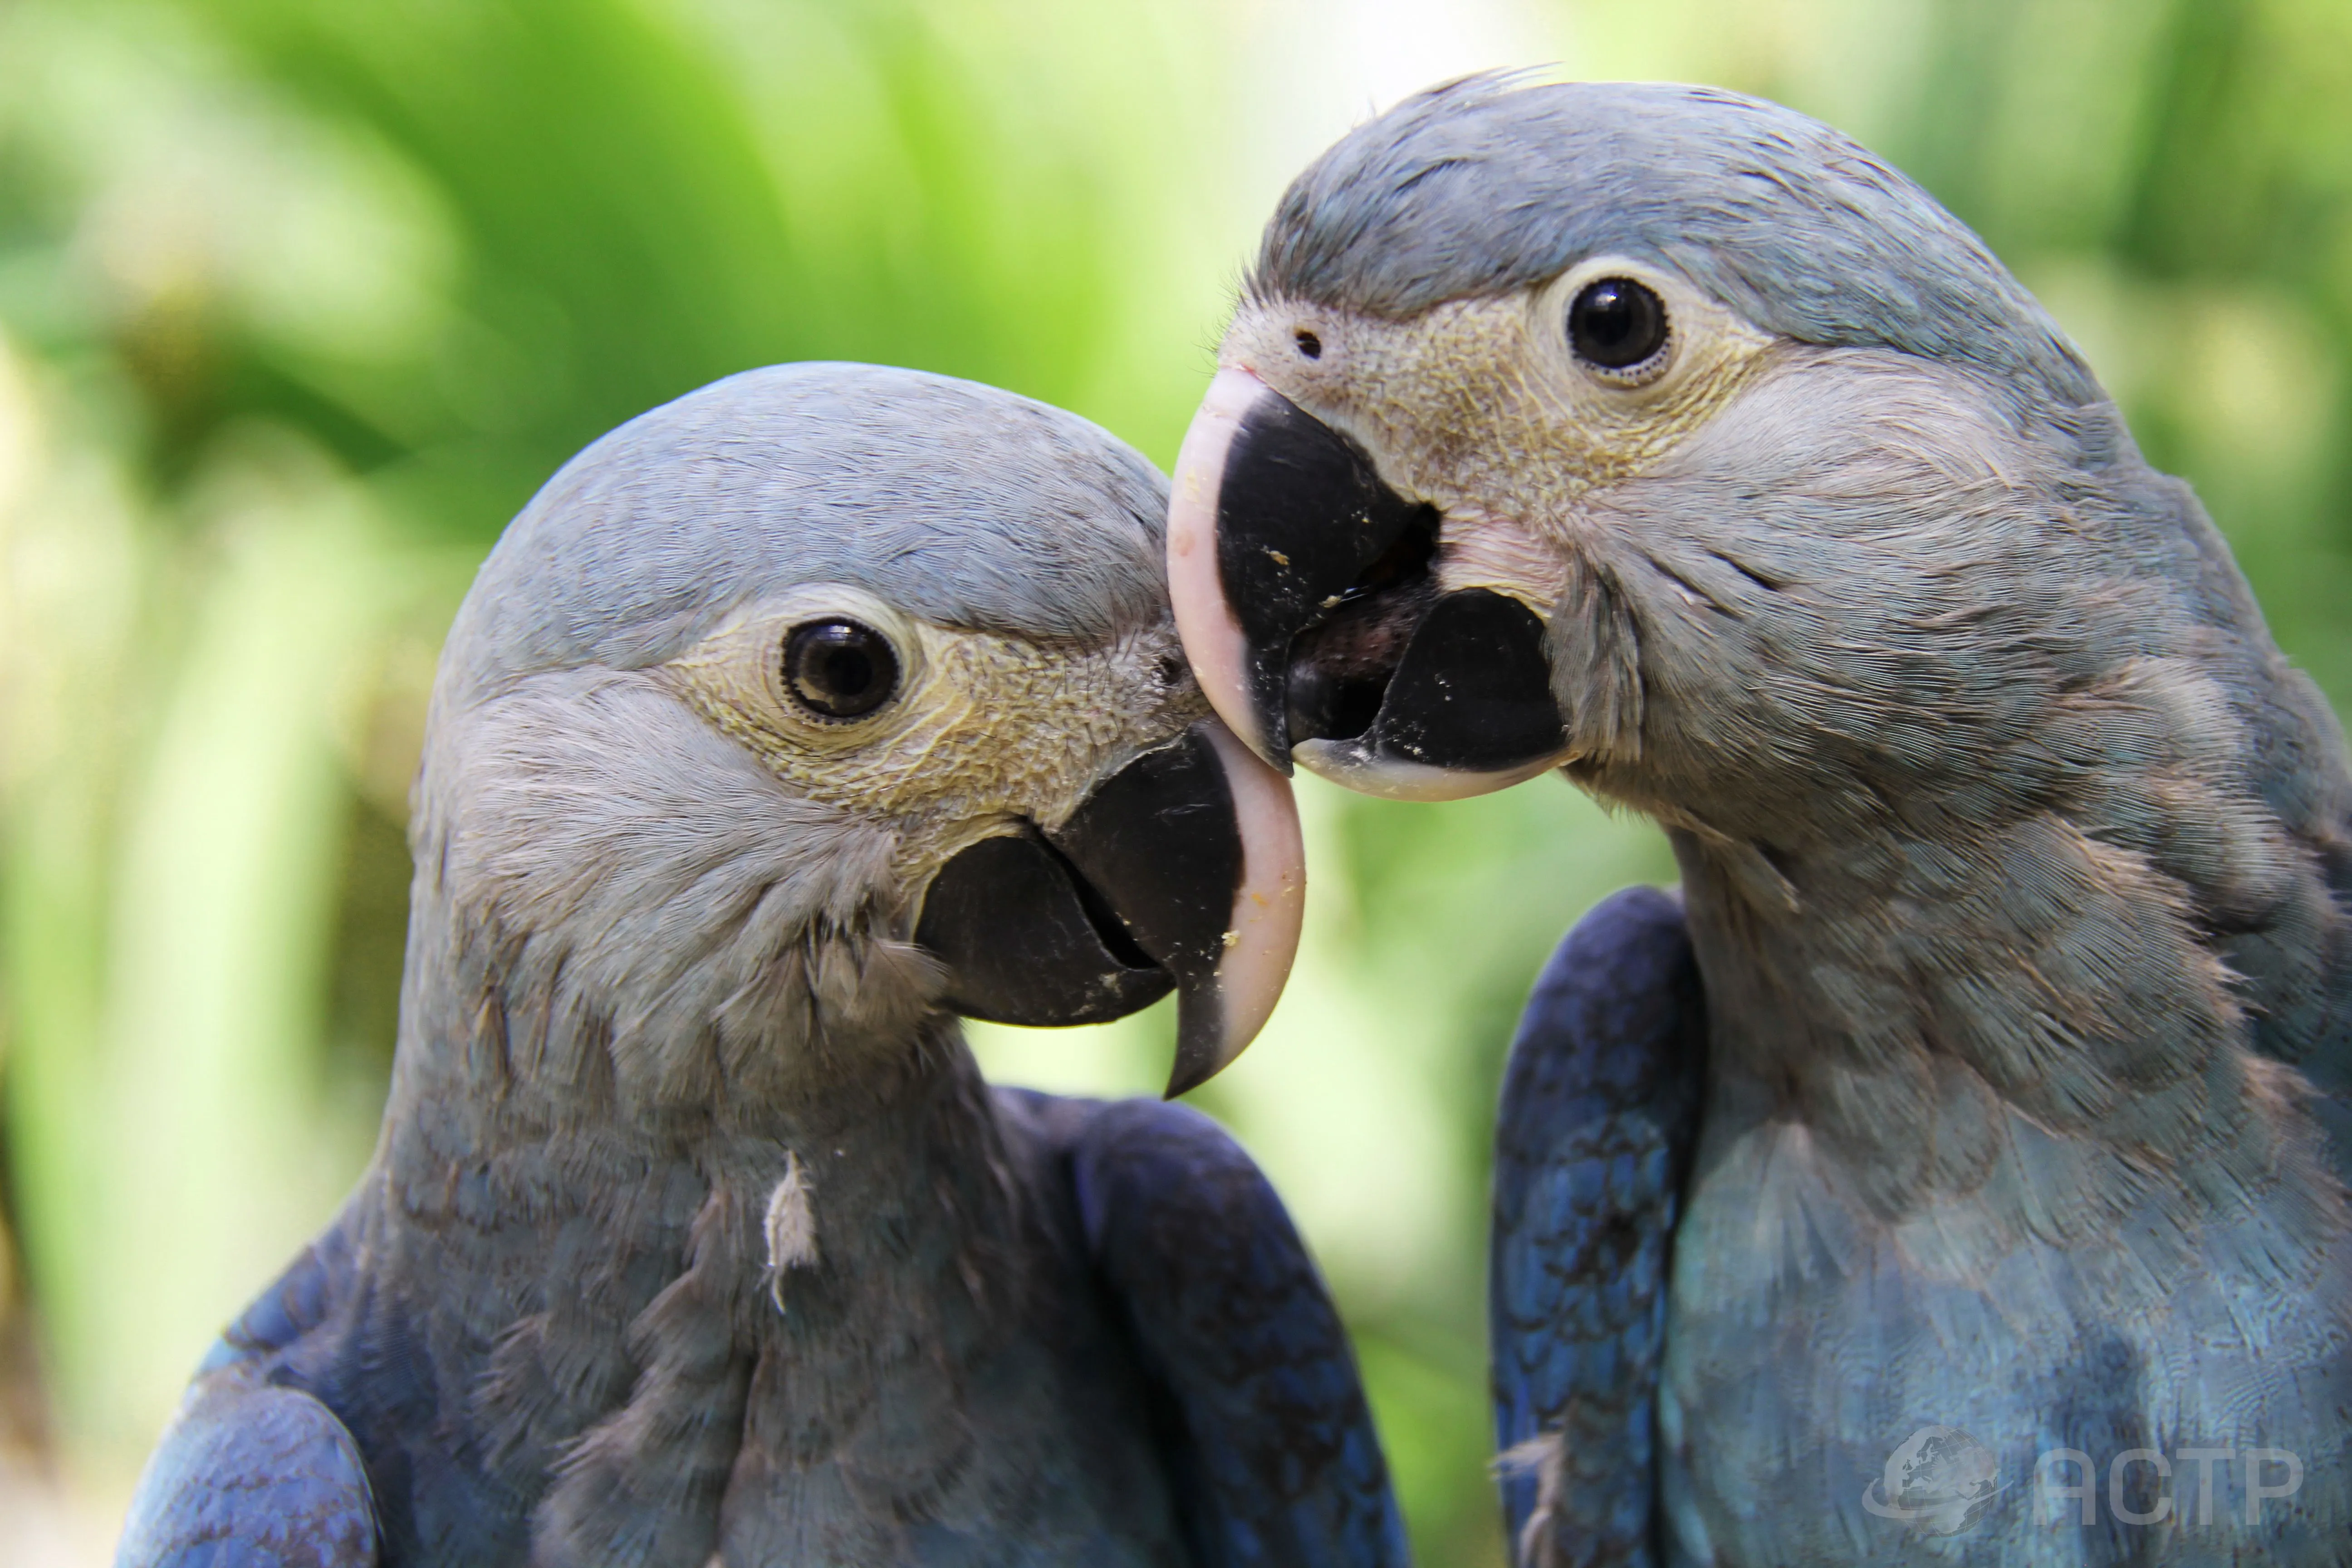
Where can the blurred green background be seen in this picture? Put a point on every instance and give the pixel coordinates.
(299, 300)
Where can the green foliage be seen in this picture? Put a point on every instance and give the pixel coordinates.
(299, 301)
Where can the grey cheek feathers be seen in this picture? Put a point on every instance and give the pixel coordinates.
(1480, 189)
(645, 889)
(1869, 609)
(1782, 574)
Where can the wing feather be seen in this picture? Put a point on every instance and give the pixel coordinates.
(1599, 1111)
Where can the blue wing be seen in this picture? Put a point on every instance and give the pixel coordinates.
(1599, 1111)
(1272, 1445)
(251, 1473)
(251, 1476)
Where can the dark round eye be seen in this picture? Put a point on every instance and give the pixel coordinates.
(1616, 324)
(840, 668)
(1308, 343)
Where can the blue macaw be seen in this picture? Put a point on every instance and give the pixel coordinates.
(787, 722)
(1956, 1167)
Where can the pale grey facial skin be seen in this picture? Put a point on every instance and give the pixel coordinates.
(2016, 857)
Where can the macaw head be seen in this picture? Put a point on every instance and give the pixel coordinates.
(1669, 437)
(819, 700)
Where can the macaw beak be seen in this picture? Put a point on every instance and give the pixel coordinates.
(1306, 596)
(1184, 871)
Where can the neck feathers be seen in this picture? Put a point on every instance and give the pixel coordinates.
(2148, 960)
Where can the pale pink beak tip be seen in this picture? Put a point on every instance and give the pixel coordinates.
(1269, 911)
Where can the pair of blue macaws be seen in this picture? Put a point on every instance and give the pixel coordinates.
(1953, 1169)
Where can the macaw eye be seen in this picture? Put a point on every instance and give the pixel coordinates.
(839, 668)
(1617, 324)
(1308, 343)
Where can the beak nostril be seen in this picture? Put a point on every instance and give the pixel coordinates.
(1171, 670)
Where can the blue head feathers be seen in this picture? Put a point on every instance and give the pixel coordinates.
(1481, 187)
(962, 504)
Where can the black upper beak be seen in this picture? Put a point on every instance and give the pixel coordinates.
(1183, 871)
(1304, 587)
